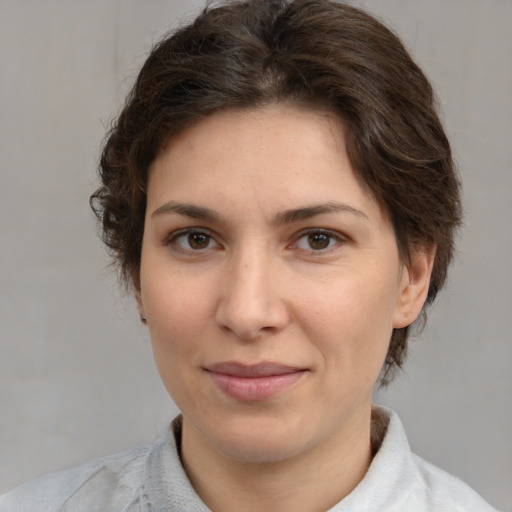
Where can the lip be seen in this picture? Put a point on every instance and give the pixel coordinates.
(254, 382)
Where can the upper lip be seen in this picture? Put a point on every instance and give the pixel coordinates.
(264, 369)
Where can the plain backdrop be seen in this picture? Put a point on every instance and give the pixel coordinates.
(76, 374)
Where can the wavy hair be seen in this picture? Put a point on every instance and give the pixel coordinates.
(308, 53)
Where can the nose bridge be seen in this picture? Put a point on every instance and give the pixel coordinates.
(251, 301)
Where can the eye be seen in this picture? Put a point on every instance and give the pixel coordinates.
(317, 241)
(192, 240)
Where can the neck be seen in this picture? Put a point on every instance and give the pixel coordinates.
(316, 479)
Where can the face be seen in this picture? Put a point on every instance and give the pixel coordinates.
(271, 282)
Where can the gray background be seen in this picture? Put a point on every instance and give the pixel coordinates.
(76, 373)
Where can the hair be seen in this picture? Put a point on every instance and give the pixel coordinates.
(310, 54)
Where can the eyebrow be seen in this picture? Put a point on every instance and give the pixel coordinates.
(307, 212)
(187, 210)
(281, 218)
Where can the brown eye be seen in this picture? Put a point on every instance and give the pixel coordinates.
(191, 240)
(318, 241)
(198, 240)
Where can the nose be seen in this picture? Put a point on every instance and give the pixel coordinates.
(251, 303)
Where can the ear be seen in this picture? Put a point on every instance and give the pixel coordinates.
(140, 306)
(413, 288)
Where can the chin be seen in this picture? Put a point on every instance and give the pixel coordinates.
(259, 451)
(261, 440)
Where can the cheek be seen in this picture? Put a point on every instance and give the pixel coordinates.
(177, 316)
(176, 321)
(351, 319)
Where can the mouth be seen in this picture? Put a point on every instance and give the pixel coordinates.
(254, 382)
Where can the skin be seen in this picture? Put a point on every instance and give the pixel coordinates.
(319, 290)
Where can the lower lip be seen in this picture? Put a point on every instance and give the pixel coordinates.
(252, 389)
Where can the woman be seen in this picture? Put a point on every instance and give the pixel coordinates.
(280, 194)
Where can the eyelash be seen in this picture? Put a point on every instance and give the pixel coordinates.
(333, 239)
(173, 239)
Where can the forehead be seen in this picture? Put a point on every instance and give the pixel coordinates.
(278, 156)
(256, 127)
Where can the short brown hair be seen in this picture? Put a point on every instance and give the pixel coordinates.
(310, 53)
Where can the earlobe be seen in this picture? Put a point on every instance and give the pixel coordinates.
(414, 287)
(140, 307)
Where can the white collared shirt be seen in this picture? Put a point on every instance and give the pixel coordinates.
(152, 479)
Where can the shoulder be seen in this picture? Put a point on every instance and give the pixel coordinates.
(443, 491)
(106, 482)
(400, 480)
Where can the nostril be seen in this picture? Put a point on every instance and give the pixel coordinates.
(252, 324)
(250, 302)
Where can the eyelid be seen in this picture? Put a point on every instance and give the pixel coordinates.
(337, 236)
(172, 237)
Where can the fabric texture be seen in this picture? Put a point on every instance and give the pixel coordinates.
(152, 479)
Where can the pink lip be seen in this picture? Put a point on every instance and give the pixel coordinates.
(253, 382)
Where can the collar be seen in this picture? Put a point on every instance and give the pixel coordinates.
(386, 485)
